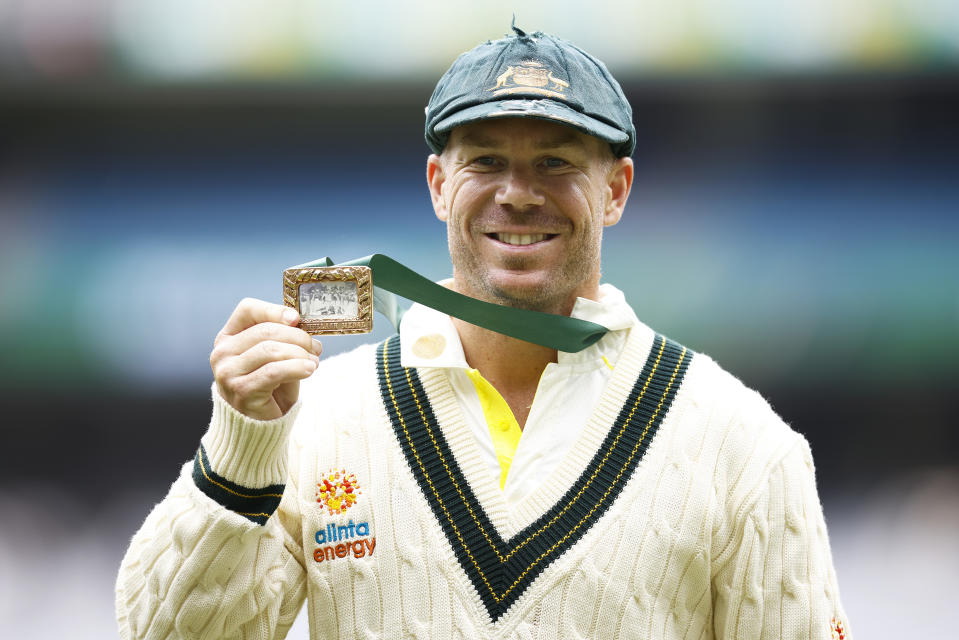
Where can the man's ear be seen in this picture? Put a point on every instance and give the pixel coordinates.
(619, 183)
(435, 177)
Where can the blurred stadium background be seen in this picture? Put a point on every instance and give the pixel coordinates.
(794, 215)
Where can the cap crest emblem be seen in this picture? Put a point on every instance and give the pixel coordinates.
(530, 76)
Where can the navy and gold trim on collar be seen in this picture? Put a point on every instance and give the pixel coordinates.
(256, 505)
(501, 570)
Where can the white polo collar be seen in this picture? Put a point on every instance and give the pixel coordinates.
(429, 338)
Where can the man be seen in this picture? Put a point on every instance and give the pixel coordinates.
(454, 481)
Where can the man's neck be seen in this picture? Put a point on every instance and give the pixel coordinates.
(512, 366)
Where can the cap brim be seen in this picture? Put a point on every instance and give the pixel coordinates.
(539, 109)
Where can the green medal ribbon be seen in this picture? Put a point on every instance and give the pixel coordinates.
(390, 277)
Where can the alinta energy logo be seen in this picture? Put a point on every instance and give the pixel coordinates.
(338, 491)
(351, 539)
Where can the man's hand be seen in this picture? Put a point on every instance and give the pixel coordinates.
(259, 358)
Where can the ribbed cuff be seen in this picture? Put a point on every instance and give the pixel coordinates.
(249, 452)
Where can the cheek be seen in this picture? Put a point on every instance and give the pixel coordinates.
(451, 196)
(593, 197)
(583, 206)
(461, 200)
(576, 191)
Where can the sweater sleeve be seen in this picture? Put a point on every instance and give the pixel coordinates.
(778, 580)
(219, 556)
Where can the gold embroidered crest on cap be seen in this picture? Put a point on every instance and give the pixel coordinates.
(530, 76)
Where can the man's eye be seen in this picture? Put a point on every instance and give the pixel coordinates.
(485, 161)
(555, 163)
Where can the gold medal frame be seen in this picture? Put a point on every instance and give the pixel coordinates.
(327, 320)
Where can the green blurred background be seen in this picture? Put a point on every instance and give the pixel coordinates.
(794, 216)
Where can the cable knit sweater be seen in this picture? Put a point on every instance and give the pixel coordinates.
(687, 509)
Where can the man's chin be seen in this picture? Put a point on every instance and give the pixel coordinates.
(533, 294)
(530, 290)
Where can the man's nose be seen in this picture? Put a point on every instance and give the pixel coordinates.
(519, 190)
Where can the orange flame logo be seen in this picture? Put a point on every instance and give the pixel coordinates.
(338, 491)
(838, 629)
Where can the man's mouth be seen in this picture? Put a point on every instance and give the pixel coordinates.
(520, 239)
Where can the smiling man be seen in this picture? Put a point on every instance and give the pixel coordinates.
(526, 201)
(456, 482)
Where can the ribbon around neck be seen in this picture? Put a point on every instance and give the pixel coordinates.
(547, 329)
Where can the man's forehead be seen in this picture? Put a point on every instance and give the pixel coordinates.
(538, 134)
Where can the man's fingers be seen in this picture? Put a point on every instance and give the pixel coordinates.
(228, 346)
(260, 354)
(251, 312)
(256, 388)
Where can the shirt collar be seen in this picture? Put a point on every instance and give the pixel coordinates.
(428, 337)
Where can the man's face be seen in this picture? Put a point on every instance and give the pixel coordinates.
(525, 202)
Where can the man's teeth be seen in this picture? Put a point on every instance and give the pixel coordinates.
(520, 239)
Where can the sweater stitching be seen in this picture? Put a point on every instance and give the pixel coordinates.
(449, 472)
(427, 477)
(256, 507)
(600, 466)
(749, 501)
(610, 488)
(398, 403)
(226, 488)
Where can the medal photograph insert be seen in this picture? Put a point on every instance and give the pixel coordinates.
(331, 300)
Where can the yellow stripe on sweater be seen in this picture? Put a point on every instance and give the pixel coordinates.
(502, 425)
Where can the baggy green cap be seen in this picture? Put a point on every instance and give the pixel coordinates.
(531, 76)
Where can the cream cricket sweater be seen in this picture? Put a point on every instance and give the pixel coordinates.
(686, 509)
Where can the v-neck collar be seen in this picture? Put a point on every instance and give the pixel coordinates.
(503, 550)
